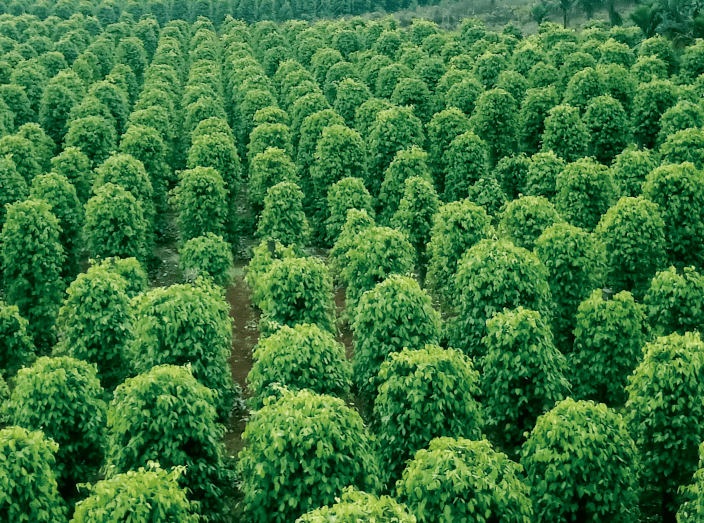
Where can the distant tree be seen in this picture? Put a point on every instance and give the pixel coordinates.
(661, 388)
(683, 115)
(464, 95)
(351, 94)
(23, 155)
(511, 173)
(407, 417)
(684, 146)
(62, 398)
(406, 163)
(600, 480)
(311, 130)
(442, 129)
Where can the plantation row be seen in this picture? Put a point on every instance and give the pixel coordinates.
(516, 222)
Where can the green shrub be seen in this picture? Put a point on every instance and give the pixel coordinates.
(13, 188)
(65, 205)
(536, 107)
(209, 256)
(115, 224)
(62, 398)
(565, 134)
(17, 346)
(523, 375)
(442, 129)
(377, 253)
(650, 103)
(464, 480)
(141, 429)
(684, 146)
(266, 170)
(283, 218)
(630, 170)
(32, 259)
(511, 173)
(94, 136)
(146, 145)
(609, 336)
(675, 302)
(395, 314)
(300, 357)
(144, 495)
(456, 227)
(27, 478)
(598, 480)
(416, 213)
(129, 173)
(465, 163)
(464, 94)
(524, 219)
(22, 153)
(303, 435)
(73, 164)
(348, 193)
(201, 200)
(633, 233)
(666, 387)
(394, 129)
(424, 393)
(683, 115)
(495, 120)
(351, 94)
(357, 222)
(608, 127)
(131, 270)
(406, 163)
(311, 130)
(692, 510)
(585, 191)
(354, 506)
(263, 257)
(217, 150)
(95, 324)
(181, 324)
(493, 275)
(678, 190)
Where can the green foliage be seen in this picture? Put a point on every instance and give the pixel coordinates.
(115, 224)
(424, 393)
(268, 169)
(23, 154)
(416, 213)
(565, 133)
(678, 190)
(17, 346)
(75, 167)
(311, 132)
(186, 323)
(297, 291)
(300, 357)
(609, 337)
(491, 276)
(534, 110)
(608, 127)
(201, 200)
(283, 218)
(393, 315)
(303, 433)
(414, 93)
(263, 257)
(13, 188)
(62, 398)
(582, 88)
(684, 115)
(522, 374)
(149, 495)
(630, 169)
(598, 480)
(351, 94)
(32, 259)
(585, 191)
(376, 253)
(132, 272)
(524, 219)
(141, 429)
(406, 163)
(464, 162)
(495, 120)
(464, 95)
(61, 196)
(675, 302)
(464, 480)
(95, 323)
(208, 256)
(217, 150)
(693, 508)
(457, 226)
(633, 233)
(27, 478)
(684, 146)
(663, 388)
(650, 103)
(442, 129)
(394, 129)
(348, 193)
(354, 506)
(541, 178)
(94, 136)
